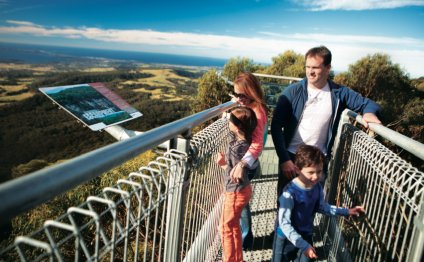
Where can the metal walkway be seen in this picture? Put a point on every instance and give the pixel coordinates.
(264, 205)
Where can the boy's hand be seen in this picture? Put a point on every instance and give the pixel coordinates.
(356, 210)
(310, 253)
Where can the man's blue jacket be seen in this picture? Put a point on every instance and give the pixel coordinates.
(291, 104)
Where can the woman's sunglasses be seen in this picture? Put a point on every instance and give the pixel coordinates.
(240, 96)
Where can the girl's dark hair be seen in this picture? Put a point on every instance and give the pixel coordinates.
(245, 119)
(307, 156)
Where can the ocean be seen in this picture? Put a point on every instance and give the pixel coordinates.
(36, 54)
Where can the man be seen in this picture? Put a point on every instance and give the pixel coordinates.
(308, 112)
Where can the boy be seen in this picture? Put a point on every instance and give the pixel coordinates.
(299, 202)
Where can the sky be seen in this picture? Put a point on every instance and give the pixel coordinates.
(256, 29)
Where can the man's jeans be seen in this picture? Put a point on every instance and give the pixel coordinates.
(246, 227)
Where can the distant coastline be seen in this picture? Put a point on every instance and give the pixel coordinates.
(36, 54)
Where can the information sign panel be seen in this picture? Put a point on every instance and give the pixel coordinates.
(93, 104)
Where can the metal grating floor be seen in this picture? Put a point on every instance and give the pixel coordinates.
(264, 205)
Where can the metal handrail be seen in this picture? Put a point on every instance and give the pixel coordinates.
(412, 146)
(24, 193)
(278, 77)
(262, 75)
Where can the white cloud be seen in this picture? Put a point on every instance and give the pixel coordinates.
(272, 34)
(322, 5)
(20, 22)
(346, 49)
(358, 39)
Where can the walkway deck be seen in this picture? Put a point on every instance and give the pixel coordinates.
(263, 205)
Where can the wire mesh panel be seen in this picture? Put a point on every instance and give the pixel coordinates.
(125, 222)
(391, 190)
(204, 196)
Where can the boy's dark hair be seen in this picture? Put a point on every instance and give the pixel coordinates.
(321, 51)
(307, 156)
(245, 119)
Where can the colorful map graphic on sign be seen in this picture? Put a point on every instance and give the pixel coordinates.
(93, 104)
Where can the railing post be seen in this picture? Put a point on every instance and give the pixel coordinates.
(176, 202)
(344, 119)
(417, 243)
(335, 162)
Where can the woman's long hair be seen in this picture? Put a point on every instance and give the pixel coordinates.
(252, 88)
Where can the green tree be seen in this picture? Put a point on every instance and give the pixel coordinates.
(288, 63)
(418, 83)
(376, 77)
(412, 118)
(237, 65)
(29, 167)
(212, 91)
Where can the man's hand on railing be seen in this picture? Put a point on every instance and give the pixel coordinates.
(370, 118)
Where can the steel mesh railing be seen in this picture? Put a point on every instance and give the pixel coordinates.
(131, 221)
(367, 173)
(125, 222)
(204, 197)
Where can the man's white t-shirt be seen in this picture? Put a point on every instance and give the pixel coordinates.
(313, 126)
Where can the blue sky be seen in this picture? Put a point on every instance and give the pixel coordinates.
(257, 29)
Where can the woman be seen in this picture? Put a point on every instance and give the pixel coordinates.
(248, 92)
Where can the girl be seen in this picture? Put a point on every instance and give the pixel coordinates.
(238, 191)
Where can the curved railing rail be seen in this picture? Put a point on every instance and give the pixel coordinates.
(289, 78)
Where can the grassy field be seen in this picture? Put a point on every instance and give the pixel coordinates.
(161, 85)
(165, 89)
(35, 68)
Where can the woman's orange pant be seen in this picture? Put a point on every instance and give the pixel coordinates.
(234, 203)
